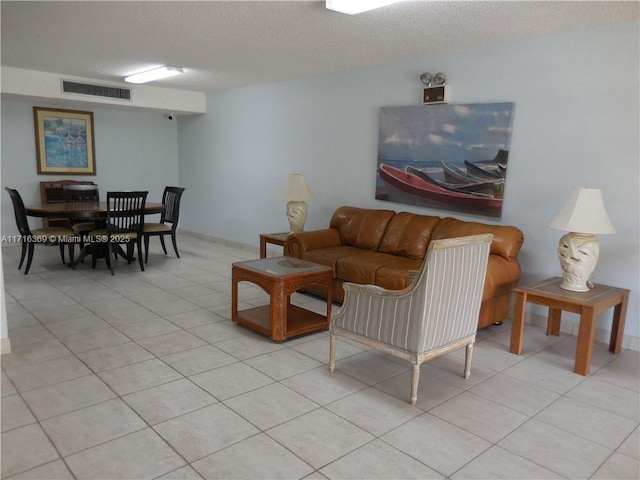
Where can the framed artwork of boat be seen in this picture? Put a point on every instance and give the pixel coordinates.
(64, 142)
(451, 157)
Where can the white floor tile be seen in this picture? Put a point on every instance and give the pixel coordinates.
(159, 348)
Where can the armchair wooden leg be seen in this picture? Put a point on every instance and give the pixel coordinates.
(415, 378)
(332, 352)
(467, 359)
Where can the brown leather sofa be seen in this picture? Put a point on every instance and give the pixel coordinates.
(380, 247)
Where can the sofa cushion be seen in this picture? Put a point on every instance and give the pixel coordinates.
(329, 256)
(395, 276)
(362, 268)
(360, 227)
(506, 242)
(408, 235)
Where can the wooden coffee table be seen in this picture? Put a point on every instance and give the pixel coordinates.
(280, 277)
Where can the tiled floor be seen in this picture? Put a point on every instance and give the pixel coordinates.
(143, 375)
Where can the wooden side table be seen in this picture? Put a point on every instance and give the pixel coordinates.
(273, 238)
(587, 304)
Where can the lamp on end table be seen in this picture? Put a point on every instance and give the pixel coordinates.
(296, 193)
(582, 216)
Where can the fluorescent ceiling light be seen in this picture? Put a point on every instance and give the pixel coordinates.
(351, 7)
(155, 74)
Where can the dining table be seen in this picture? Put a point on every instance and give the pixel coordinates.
(77, 210)
(81, 209)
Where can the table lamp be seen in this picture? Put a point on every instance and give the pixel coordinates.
(582, 216)
(296, 192)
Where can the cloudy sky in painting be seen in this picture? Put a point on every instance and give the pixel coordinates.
(454, 133)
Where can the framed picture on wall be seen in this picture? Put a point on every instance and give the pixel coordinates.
(64, 142)
(450, 157)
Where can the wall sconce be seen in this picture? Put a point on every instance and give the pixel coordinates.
(578, 251)
(436, 91)
(297, 192)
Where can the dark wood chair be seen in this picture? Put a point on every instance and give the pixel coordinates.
(82, 193)
(47, 236)
(168, 221)
(125, 219)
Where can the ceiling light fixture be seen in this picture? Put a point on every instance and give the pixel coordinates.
(351, 7)
(155, 74)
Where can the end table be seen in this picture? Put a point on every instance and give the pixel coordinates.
(587, 304)
(273, 238)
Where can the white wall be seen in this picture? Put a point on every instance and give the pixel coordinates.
(135, 150)
(575, 124)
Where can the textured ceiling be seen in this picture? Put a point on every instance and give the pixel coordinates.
(226, 44)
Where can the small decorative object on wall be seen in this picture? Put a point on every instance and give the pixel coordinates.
(452, 157)
(64, 142)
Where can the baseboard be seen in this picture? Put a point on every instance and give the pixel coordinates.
(5, 345)
(571, 326)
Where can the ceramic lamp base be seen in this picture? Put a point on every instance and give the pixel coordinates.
(578, 254)
(297, 215)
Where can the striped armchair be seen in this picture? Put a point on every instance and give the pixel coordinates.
(436, 314)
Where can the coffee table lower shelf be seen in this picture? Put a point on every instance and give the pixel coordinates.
(299, 320)
(280, 277)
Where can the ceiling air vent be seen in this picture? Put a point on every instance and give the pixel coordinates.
(96, 90)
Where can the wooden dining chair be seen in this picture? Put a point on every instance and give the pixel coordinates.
(82, 193)
(168, 221)
(47, 236)
(125, 220)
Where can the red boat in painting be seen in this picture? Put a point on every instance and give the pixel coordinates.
(403, 186)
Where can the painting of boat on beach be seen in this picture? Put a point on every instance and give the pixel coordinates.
(451, 157)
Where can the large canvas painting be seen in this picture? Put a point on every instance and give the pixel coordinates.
(452, 157)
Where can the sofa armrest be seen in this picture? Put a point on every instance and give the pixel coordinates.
(502, 276)
(300, 242)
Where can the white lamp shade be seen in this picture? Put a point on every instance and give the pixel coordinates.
(584, 212)
(297, 189)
